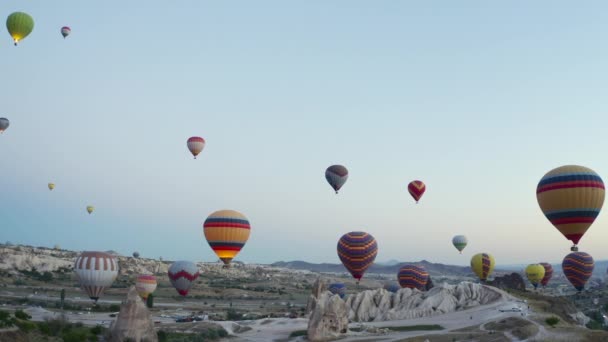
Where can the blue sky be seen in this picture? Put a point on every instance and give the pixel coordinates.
(478, 99)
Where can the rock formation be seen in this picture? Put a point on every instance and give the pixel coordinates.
(510, 281)
(329, 317)
(318, 287)
(381, 305)
(133, 322)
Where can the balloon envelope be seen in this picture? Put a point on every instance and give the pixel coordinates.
(4, 123)
(195, 145)
(226, 231)
(65, 31)
(96, 271)
(548, 273)
(357, 251)
(51, 186)
(136, 254)
(145, 285)
(392, 287)
(336, 176)
(460, 242)
(182, 274)
(19, 25)
(338, 289)
(578, 267)
(535, 273)
(90, 209)
(571, 198)
(483, 265)
(416, 189)
(413, 277)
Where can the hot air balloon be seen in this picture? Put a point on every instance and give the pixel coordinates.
(196, 145)
(416, 189)
(90, 209)
(226, 231)
(19, 25)
(4, 123)
(65, 31)
(182, 274)
(145, 285)
(548, 273)
(413, 277)
(535, 274)
(136, 254)
(392, 287)
(357, 251)
(51, 186)
(338, 289)
(460, 242)
(336, 176)
(578, 267)
(96, 271)
(571, 197)
(483, 265)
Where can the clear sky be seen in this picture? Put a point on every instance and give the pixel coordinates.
(479, 99)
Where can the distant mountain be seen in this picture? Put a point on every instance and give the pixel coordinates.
(391, 262)
(433, 268)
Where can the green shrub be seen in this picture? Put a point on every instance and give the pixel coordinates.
(44, 328)
(26, 326)
(75, 336)
(97, 330)
(552, 321)
(162, 336)
(114, 307)
(22, 315)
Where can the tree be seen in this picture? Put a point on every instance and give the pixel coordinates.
(150, 301)
(62, 298)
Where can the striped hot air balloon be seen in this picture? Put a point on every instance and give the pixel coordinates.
(413, 277)
(336, 176)
(357, 251)
(578, 267)
(460, 242)
(65, 31)
(416, 189)
(392, 287)
(571, 198)
(182, 274)
(95, 271)
(535, 274)
(548, 273)
(145, 285)
(226, 231)
(196, 145)
(338, 289)
(4, 123)
(483, 265)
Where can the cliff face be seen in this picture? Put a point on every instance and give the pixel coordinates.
(509, 281)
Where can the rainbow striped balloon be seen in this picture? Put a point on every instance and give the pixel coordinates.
(413, 277)
(357, 251)
(145, 285)
(548, 273)
(571, 198)
(578, 267)
(338, 289)
(226, 231)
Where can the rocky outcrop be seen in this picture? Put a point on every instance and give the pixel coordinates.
(318, 288)
(329, 317)
(381, 305)
(133, 322)
(510, 281)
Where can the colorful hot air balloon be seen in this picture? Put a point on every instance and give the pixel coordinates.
(483, 265)
(19, 25)
(145, 285)
(226, 231)
(182, 274)
(4, 123)
(392, 287)
(548, 273)
(535, 274)
(338, 289)
(413, 277)
(65, 31)
(196, 145)
(90, 209)
(51, 186)
(96, 271)
(357, 251)
(460, 242)
(336, 176)
(578, 267)
(416, 189)
(571, 197)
